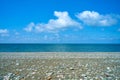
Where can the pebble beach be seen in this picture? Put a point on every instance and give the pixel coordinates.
(60, 66)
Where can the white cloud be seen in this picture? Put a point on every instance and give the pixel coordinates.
(4, 32)
(63, 21)
(30, 27)
(93, 18)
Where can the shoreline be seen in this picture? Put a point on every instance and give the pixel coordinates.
(60, 54)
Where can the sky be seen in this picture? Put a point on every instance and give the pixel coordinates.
(60, 21)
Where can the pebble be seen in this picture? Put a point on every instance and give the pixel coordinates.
(17, 64)
(33, 73)
(49, 74)
(83, 75)
(61, 69)
(7, 77)
(17, 78)
(49, 78)
(71, 68)
(60, 76)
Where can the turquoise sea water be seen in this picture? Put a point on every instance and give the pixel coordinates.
(59, 47)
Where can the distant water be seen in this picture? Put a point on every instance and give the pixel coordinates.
(59, 47)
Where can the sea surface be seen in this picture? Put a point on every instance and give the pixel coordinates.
(59, 47)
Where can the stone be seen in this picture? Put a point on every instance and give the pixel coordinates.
(17, 64)
(60, 76)
(17, 78)
(33, 73)
(49, 78)
(7, 77)
(71, 68)
(83, 75)
(49, 74)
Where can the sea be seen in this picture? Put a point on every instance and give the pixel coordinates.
(59, 47)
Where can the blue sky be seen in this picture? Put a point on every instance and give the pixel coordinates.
(59, 21)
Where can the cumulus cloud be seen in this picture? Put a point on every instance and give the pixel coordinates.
(93, 18)
(30, 27)
(4, 32)
(63, 21)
